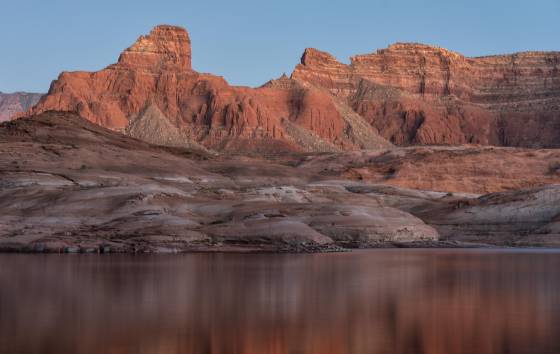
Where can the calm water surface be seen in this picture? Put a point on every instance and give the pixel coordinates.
(381, 301)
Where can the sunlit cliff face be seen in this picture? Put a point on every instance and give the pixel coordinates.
(381, 302)
(406, 94)
(153, 85)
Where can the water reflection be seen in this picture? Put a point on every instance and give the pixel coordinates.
(393, 301)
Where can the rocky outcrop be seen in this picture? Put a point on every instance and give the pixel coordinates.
(166, 48)
(155, 74)
(69, 185)
(518, 218)
(420, 94)
(464, 169)
(408, 94)
(12, 104)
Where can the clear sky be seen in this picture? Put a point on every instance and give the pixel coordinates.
(250, 42)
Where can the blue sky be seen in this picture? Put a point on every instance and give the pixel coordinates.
(249, 42)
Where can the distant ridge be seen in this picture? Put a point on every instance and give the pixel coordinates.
(15, 103)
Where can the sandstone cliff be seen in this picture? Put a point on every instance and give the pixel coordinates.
(408, 94)
(420, 94)
(155, 75)
(12, 104)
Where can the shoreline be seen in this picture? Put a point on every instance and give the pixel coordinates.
(251, 249)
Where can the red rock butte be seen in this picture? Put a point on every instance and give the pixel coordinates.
(166, 48)
(407, 94)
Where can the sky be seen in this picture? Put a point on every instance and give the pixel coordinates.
(250, 42)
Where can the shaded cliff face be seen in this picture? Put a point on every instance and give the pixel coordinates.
(153, 85)
(12, 104)
(419, 94)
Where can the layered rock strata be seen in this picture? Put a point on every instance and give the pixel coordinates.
(153, 80)
(420, 94)
(67, 185)
(410, 94)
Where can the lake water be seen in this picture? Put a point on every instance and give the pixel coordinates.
(379, 301)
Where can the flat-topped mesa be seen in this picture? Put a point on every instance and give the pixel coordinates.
(504, 81)
(510, 79)
(423, 94)
(416, 68)
(165, 48)
(401, 47)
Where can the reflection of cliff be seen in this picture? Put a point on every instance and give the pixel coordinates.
(371, 302)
